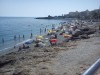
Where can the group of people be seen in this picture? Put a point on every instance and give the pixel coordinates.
(23, 36)
(23, 47)
(72, 31)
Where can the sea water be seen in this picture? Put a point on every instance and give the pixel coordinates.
(19, 26)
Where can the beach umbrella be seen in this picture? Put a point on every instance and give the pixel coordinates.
(28, 42)
(39, 37)
(53, 41)
(49, 31)
(38, 40)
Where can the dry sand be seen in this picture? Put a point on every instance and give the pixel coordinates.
(71, 58)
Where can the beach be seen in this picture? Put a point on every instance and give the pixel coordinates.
(65, 58)
(49, 37)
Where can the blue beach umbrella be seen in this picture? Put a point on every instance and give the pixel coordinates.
(28, 42)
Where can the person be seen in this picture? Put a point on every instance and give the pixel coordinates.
(56, 36)
(37, 45)
(24, 46)
(23, 36)
(3, 40)
(40, 31)
(45, 30)
(20, 48)
(31, 35)
(27, 47)
(53, 26)
(14, 47)
(14, 37)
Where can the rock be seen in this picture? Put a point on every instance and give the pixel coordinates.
(91, 31)
(84, 36)
(3, 63)
(83, 32)
(85, 29)
(77, 33)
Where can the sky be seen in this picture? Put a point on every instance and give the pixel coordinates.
(41, 8)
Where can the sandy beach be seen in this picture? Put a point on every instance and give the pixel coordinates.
(67, 58)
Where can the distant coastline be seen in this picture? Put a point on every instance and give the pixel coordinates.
(84, 15)
(49, 17)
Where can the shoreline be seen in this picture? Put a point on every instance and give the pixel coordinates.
(71, 58)
(12, 49)
(27, 40)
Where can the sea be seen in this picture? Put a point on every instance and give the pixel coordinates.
(12, 29)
